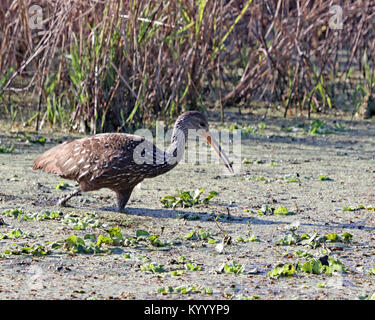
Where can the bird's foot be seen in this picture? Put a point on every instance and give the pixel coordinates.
(63, 200)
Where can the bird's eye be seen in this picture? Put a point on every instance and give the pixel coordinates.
(202, 124)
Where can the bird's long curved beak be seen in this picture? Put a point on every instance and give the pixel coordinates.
(215, 145)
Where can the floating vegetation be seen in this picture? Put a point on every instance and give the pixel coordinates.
(4, 149)
(185, 199)
(313, 266)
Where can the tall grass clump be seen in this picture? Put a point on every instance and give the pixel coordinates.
(99, 66)
(96, 66)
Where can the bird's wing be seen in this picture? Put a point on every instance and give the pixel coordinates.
(88, 158)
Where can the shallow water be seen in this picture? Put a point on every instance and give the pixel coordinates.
(347, 158)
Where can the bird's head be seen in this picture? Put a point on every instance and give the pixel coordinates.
(195, 120)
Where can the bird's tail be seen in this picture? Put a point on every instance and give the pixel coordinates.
(48, 162)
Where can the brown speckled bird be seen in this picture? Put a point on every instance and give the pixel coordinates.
(120, 161)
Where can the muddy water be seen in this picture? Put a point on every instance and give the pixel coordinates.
(346, 158)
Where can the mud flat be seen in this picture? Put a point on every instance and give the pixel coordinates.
(325, 182)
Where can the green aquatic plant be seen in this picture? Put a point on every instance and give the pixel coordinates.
(185, 199)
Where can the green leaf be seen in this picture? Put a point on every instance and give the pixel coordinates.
(154, 268)
(103, 239)
(185, 199)
(283, 211)
(192, 267)
(154, 240)
(63, 186)
(324, 177)
(197, 193)
(4, 149)
(14, 234)
(313, 266)
(142, 233)
(233, 267)
(72, 239)
(334, 265)
(115, 234)
(347, 208)
(333, 237)
(240, 239)
(285, 270)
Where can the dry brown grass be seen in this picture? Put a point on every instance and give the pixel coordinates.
(97, 65)
(295, 57)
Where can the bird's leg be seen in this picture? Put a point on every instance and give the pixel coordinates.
(62, 201)
(123, 197)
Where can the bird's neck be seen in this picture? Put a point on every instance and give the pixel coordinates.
(167, 160)
(175, 152)
(176, 149)
(173, 155)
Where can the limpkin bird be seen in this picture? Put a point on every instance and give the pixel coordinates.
(120, 161)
